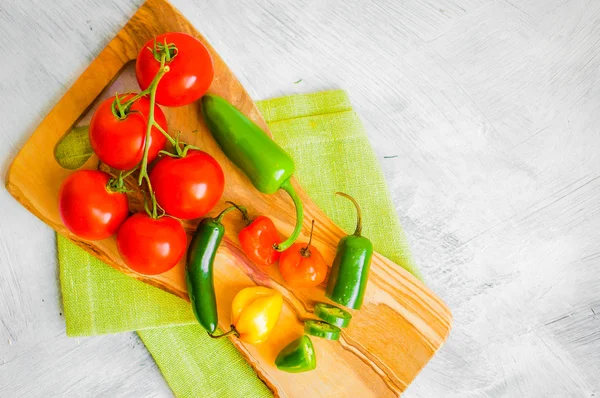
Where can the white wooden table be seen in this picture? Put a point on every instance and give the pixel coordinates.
(485, 115)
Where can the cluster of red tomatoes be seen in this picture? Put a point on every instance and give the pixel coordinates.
(127, 133)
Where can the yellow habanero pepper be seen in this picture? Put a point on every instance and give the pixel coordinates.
(254, 313)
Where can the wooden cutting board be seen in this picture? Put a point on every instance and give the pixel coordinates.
(397, 331)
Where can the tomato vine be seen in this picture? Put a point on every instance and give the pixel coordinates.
(164, 53)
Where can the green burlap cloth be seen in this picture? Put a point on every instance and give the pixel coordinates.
(332, 153)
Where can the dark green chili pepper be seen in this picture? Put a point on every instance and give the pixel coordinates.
(350, 269)
(199, 268)
(268, 166)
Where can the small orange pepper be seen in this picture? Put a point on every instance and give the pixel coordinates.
(302, 265)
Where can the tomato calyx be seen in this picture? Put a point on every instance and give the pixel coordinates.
(118, 109)
(121, 110)
(168, 49)
(117, 184)
(305, 251)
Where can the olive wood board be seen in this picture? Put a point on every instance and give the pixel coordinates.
(396, 332)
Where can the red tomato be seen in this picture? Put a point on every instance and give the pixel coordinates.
(191, 70)
(257, 241)
(88, 209)
(188, 187)
(302, 268)
(120, 143)
(151, 246)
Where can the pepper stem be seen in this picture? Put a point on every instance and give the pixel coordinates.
(242, 209)
(358, 229)
(305, 251)
(228, 333)
(287, 187)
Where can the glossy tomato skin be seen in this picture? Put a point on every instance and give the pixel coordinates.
(188, 187)
(190, 71)
(120, 143)
(88, 209)
(300, 270)
(151, 246)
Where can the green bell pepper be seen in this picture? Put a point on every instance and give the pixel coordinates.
(268, 166)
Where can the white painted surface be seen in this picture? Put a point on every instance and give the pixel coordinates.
(493, 110)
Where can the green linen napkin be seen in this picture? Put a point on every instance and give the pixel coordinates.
(332, 153)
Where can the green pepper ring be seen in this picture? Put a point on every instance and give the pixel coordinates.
(322, 329)
(333, 315)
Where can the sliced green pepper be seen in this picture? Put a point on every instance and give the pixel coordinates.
(298, 356)
(333, 315)
(268, 166)
(321, 329)
(199, 268)
(350, 270)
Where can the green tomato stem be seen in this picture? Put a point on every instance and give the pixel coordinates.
(136, 97)
(159, 128)
(130, 172)
(118, 110)
(144, 166)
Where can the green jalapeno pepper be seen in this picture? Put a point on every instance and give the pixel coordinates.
(199, 268)
(298, 356)
(350, 269)
(268, 166)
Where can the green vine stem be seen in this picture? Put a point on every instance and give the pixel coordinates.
(163, 53)
(159, 128)
(144, 164)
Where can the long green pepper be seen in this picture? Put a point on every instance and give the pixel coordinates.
(199, 268)
(268, 166)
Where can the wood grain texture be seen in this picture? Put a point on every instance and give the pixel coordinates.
(490, 108)
(397, 305)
